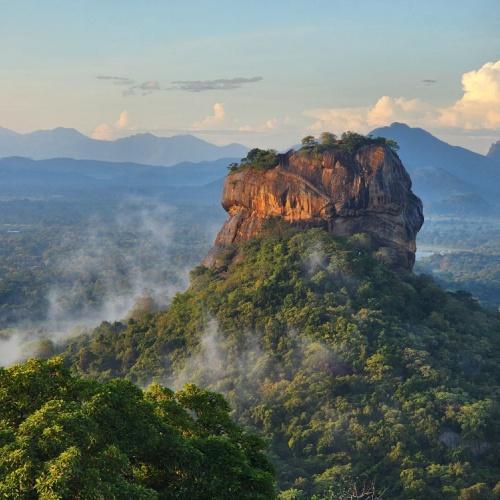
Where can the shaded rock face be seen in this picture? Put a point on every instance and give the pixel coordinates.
(369, 192)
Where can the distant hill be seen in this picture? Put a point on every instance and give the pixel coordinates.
(442, 172)
(139, 148)
(494, 152)
(436, 182)
(63, 177)
(419, 148)
(463, 204)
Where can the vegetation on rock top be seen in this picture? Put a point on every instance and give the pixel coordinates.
(349, 143)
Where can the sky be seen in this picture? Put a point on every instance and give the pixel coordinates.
(262, 73)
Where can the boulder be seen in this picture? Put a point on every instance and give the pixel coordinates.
(366, 192)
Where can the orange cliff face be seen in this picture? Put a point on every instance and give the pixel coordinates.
(369, 192)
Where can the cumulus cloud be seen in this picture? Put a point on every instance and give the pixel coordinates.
(108, 132)
(267, 126)
(103, 132)
(246, 128)
(219, 84)
(271, 124)
(386, 110)
(389, 109)
(123, 120)
(216, 118)
(478, 108)
(338, 118)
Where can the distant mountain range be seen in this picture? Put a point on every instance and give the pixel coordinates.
(60, 178)
(494, 152)
(139, 148)
(446, 176)
(449, 179)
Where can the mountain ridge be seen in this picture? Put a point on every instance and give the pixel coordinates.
(494, 152)
(138, 148)
(420, 148)
(441, 171)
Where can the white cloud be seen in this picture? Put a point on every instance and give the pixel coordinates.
(478, 108)
(103, 132)
(108, 132)
(246, 128)
(216, 118)
(338, 119)
(388, 109)
(268, 125)
(271, 124)
(385, 110)
(123, 120)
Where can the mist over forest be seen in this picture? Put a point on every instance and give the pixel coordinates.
(76, 255)
(86, 241)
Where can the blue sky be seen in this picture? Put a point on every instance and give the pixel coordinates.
(321, 64)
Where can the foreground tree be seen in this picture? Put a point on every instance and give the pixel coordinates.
(67, 437)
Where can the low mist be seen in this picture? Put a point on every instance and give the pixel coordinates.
(115, 264)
